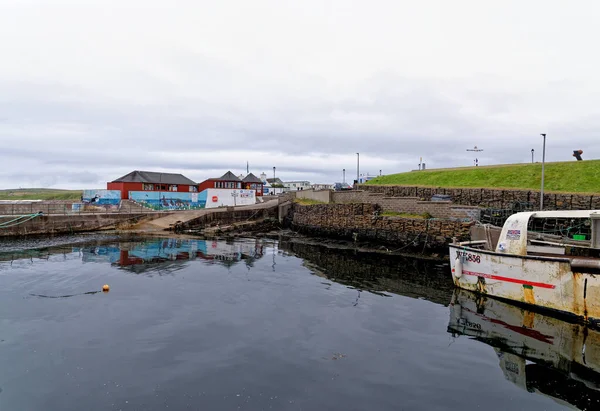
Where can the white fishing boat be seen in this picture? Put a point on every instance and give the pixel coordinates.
(549, 259)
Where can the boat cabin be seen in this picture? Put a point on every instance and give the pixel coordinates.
(550, 233)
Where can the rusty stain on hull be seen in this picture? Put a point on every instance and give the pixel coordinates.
(528, 294)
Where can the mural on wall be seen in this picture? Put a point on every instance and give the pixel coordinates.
(210, 198)
(169, 200)
(102, 197)
(99, 199)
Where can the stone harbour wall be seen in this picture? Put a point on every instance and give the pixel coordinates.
(361, 222)
(67, 224)
(409, 205)
(492, 198)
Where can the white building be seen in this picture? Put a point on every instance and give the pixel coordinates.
(268, 184)
(296, 185)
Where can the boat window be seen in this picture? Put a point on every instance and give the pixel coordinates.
(579, 229)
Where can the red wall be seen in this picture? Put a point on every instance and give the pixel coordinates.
(206, 184)
(125, 188)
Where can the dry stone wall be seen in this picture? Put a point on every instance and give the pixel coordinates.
(492, 198)
(362, 222)
(409, 205)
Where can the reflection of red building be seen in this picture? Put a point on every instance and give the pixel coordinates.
(151, 181)
(227, 180)
(251, 182)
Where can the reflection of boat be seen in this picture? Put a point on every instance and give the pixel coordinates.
(536, 352)
(550, 259)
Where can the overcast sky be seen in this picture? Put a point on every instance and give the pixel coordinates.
(93, 89)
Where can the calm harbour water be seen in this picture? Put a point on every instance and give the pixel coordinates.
(265, 325)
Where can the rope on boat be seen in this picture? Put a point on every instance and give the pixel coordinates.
(19, 220)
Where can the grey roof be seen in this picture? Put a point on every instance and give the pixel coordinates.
(251, 178)
(228, 176)
(154, 178)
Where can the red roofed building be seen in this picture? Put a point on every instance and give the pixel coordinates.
(227, 180)
(251, 182)
(152, 181)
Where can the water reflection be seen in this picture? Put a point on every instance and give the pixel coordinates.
(164, 255)
(375, 272)
(538, 353)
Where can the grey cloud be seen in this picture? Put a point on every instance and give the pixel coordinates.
(413, 118)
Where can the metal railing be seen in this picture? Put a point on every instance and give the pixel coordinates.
(72, 209)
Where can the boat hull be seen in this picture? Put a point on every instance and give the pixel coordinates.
(537, 281)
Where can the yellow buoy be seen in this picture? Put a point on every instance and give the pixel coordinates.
(105, 288)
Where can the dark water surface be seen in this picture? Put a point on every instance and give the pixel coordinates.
(260, 325)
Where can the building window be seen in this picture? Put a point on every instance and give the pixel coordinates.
(147, 187)
(173, 187)
(193, 189)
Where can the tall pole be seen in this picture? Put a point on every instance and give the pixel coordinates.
(273, 174)
(344, 176)
(543, 166)
(357, 167)
(532, 150)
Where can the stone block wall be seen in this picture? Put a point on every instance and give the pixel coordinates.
(409, 205)
(361, 222)
(323, 196)
(492, 198)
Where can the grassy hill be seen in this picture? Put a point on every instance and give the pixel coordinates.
(574, 177)
(40, 194)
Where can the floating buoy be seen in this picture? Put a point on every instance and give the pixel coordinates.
(105, 288)
(458, 267)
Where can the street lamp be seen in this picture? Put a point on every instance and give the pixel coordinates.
(344, 176)
(357, 167)
(273, 175)
(532, 150)
(543, 164)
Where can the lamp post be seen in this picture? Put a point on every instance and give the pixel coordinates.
(532, 150)
(344, 176)
(357, 167)
(273, 175)
(543, 166)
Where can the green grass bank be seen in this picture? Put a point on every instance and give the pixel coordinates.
(40, 194)
(570, 177)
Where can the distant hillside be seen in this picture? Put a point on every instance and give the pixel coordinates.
(39, 194)
(574, 176)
